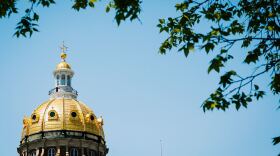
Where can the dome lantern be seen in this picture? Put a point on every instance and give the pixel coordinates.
(63, 76)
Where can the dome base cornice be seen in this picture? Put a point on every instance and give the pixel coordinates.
(62, 134)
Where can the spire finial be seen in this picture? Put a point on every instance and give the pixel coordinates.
(63, 48)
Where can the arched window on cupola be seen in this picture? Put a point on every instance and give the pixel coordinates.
(63, 79)
(68, 80)
(33, 153)
(57, 80)
(74, 152)
(51, 152)
(92, 153)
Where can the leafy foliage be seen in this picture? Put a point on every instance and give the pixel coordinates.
(276, 140)
(7, 7)
(28, 23)
(83, 4)
(125, 9)
(252, 25)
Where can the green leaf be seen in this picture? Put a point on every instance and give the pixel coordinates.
(190, 46)
(253, 56)
(246, 42)
(176, 30)
(223, 51)
(186, 52)
(208, 46)
(276, 140)
(259, 94)
(91, 4)
(226, 78)
(161, 21)
(35, 17)
(107, 8)
(237, 105)
(215, 64)
(256, 87)
(275, 84)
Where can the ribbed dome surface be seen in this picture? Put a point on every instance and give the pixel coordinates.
(62, 114)
(63, 65)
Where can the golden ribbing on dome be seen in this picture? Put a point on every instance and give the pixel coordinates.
(63, 114)
(63, 65)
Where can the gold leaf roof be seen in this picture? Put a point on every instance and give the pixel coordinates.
(63, 65)
(62, 114)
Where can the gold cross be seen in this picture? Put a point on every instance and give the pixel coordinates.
(63, 48)
(63, 55)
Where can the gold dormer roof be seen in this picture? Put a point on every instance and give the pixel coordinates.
(62, 114)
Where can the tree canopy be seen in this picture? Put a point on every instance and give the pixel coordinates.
(253, 25)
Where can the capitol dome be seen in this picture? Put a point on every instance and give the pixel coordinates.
(62, 114)
(62, 125)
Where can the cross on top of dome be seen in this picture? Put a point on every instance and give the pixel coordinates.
(63, 55)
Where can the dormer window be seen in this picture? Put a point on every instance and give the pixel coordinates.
(35, 117)
(73, 114)
(90, 117)
(53, 115)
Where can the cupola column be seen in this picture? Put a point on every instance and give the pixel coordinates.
(58, 151)
(42, 152)
(83, 151)
(67, 151)
(37, 152)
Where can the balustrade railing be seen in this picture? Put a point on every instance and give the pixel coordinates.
(64, 89)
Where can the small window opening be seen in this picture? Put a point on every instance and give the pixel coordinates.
(68, 80)
(73, 114)
(34, 117)
(52, 114)
(57, 80)
(63, 80)
(92, 117)
(51, 152)
(74, 152)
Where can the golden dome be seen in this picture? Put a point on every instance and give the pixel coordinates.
(62, 114)
(63, 65)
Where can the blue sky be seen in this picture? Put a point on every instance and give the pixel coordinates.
(144, 97)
